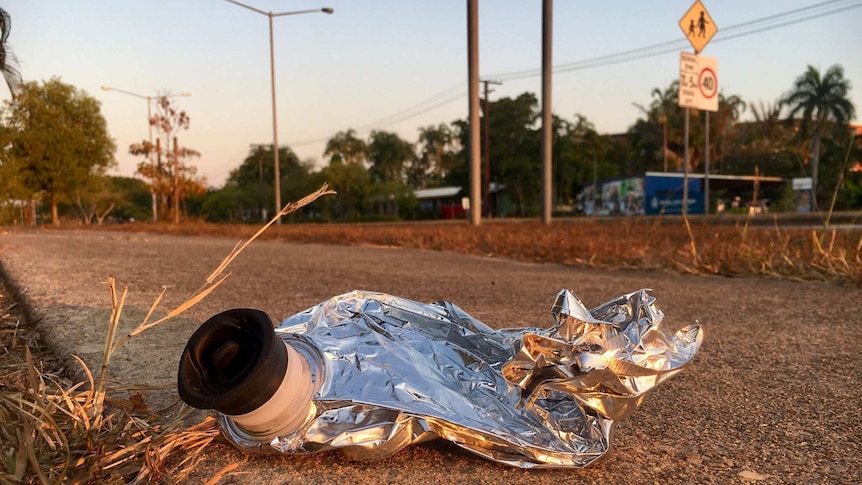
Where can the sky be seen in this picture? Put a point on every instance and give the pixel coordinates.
(399, 65)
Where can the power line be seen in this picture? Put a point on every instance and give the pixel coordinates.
(815, 11)
(675, 45)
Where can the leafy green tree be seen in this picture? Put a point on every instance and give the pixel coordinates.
(515, 143)
(574, 157)
(353, 184)
(765, 144)
(249, 190)
(459, 174)
(436, 159)
(97, 199)
(346, 148)
(389, 155)
(58, 140)
(821, 104)
(135, 201)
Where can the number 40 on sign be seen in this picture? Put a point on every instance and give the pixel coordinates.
(698, 82)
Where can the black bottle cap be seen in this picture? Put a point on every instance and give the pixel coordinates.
(233, 363)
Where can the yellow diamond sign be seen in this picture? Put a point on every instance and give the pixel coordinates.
(698, 26)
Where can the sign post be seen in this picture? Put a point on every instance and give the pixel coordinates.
(698, 83)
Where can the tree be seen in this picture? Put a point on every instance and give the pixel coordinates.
(353, 185)
(515, 150)
(389, 154)
(819, 103)
(135, 201)
(664, 110)
(174, 179)
(58, 138)
(249, 189)
(97, 200)
(766, 143)
(730, 108)
(345, 148)
(436, 159)
(659, 134)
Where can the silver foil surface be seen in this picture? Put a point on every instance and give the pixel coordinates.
(390, 372)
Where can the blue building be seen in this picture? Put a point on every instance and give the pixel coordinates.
(657, 193)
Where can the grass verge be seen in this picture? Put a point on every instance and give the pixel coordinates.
(698, 247)
(55, 430)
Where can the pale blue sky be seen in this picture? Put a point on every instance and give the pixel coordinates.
(373, 59)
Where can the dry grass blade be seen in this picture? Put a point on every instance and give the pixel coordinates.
(155, 304)
(221, 473)
(692, 243)
(288, 209)
(192, 301)
(88, 395)
(211, 282)
(114, 322)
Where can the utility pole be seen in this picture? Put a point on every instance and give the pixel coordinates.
(547, 140)
(473, 95)
(685, 172)
(176, 183)
(158, 178)
(260, 183)
(706, 165)
(486, 201)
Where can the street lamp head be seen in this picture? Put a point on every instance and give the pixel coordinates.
(327, 10)
(185, 94)
(106, 88)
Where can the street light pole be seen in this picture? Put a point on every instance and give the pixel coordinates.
(270, 16)
(149, 127)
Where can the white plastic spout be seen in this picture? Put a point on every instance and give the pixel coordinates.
(288, 409)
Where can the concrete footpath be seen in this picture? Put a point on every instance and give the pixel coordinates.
(774, 394)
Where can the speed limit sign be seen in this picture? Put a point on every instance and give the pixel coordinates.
(707, 81)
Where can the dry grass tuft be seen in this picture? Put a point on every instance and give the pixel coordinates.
(666, 244)
(56, 431)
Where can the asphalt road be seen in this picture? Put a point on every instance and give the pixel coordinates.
(773, 395)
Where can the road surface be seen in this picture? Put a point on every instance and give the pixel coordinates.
(774, 392)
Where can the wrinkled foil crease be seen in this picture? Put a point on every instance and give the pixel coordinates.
(391, 372)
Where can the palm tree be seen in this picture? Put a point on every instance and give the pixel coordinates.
(8, 61)
(821, 101)
(662, 113)
(664, 103)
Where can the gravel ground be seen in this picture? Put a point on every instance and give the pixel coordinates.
(773, 396)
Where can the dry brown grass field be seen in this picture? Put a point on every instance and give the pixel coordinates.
(733, 248)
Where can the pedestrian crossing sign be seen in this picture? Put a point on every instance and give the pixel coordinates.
(697, 26)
